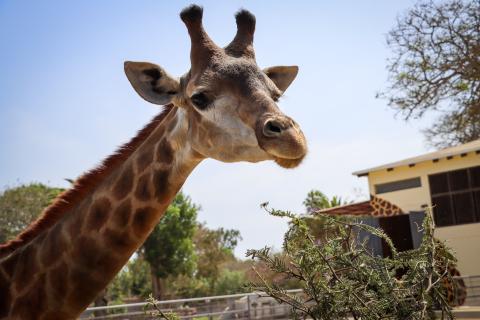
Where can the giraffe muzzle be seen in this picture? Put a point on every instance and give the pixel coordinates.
(282, 138)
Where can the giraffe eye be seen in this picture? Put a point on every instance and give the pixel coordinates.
(200, 100)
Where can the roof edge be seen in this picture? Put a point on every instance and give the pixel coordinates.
(473, 146)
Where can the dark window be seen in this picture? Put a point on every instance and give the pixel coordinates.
(475, 175)
(476, 196)
(438, 183)
(398, 185)
(442, 206)
(398, 229)
(463, 207)
(456, 196)
(458, 180)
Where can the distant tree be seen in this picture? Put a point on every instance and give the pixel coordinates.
(19, 206)
(435, 66)
(213, 248)
(230, 282)
(169, 249)
(318, 200)
(134, 280)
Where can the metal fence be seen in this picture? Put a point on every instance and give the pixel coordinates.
(238, 306)
(473, 290)
(235, 306)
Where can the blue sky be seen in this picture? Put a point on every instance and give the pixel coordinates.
(65, 103)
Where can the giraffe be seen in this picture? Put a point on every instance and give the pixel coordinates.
(383, 208)
(224, 107)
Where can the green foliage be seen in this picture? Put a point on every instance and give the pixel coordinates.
(19, 206)
(435, 67)
(318, 200)
(340, 277)
(230, 282)
(132, 281)
(270, 274)
(186, 257)
(169, 249)
(184, 286)
(213, 247)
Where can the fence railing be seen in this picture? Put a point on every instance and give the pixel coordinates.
(235, 306)
(473, 290)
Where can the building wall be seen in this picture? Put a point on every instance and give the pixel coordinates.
(413, 199)
(463, 239)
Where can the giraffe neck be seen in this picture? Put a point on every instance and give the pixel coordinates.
(60, 272)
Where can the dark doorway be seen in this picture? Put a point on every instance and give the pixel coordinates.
(398, 229)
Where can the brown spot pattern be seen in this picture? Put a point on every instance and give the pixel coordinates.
(142, 192)
(32, 303)
(144, 160)
(86, 252)
(57, 278)
(160, 181)
(54, 245)
(34, 299)
(26, 267)
(99, 214)
(76, 220)
(84, 287)
(121, 215)
(118, 240)
(108, 265)
(10, 264)
(143, 220)
(384, 208)
(164, 152)
(124, 183)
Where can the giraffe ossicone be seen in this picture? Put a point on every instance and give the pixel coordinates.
(223, 108)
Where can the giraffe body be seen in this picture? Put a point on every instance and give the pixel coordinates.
(223, 108)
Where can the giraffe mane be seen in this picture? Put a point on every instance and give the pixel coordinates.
(82, 186)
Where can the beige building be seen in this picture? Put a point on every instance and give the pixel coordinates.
(448, 180)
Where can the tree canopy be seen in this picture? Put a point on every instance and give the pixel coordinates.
(316, 200)
(169, 249)
(436, 67)
(213, 248)
(19, 206)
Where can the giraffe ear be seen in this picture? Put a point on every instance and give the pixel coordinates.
(282, 76)
(151, 82)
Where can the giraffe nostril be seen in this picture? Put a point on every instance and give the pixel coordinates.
(272, 128)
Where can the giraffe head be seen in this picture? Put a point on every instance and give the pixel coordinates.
(230, 103)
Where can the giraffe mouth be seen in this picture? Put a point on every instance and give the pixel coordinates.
(288, 163)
